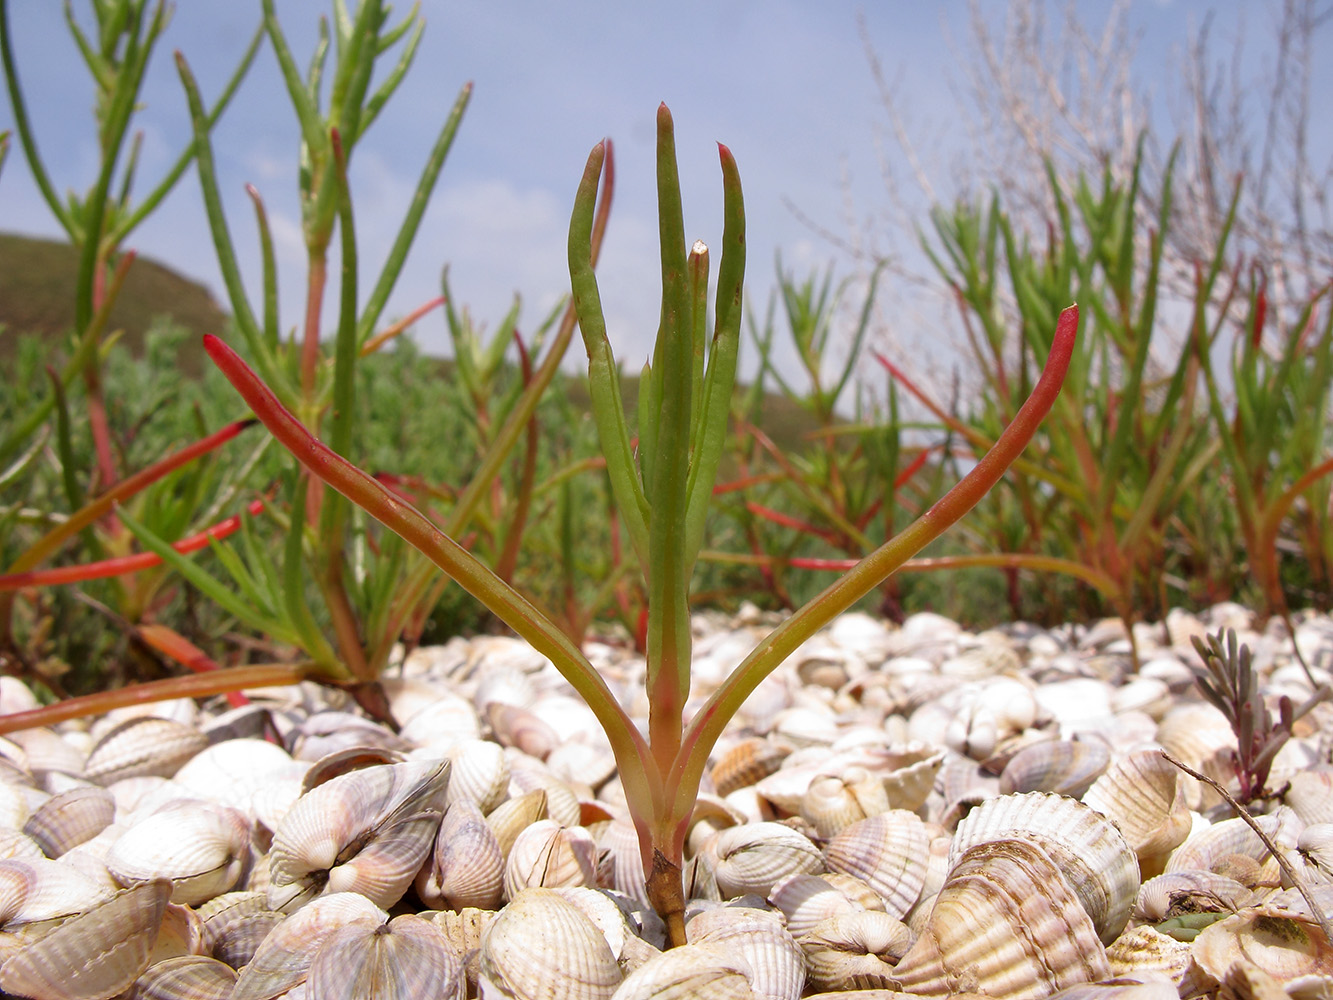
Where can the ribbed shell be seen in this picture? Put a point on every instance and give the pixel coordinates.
(71, 818)
(202, 849)
(144, 747)
(1091, 853)
(1145, 796)
(548, 855)
(1065, 767)
(406, 959)
(480, 773)
(745, 763)
(888, 852)
(466, 867)
(855, 951)
(753, 857)
(1006, 924)
(189, 977)
(283, 961)
(94, 954)
(540, 946)
(690, 972)
(777, 964)
(806, 900)
(368, 831)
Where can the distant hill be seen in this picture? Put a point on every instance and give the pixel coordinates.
(37, 279)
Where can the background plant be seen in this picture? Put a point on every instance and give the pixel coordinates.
(662, 493)
(116, 52)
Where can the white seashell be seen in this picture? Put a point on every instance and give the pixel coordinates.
(1065, 767)
(1209, 849)
(1092, 855)
(753, 857)
(201, 849)
(691, 971)
(1277, 942)
(466, 867)
(1145, 796)
(97, 953)
(405, 959)
(855, 951)
(1191, 891)
(146, 746)
(806, 900)
(576, 962)
(1310, 796)
(367, 831)
(1145, 951)
(37, 889)
(548, 855)
(777, 964)
(832, 803)
(479, 772)
(230, 772)
(1006, 924)
(448, 720)
(747, 762)
(196, 977)
(67, 820)
(888, 852)
(283, 961)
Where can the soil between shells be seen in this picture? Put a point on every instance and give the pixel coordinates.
(913, 808)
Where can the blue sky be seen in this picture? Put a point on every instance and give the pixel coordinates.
(785, 84)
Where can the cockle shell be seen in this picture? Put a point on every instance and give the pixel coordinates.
(1146, 951)
(406, 959)
(1282, 944)
(1209, 849)
(479, 772)
(1092, 854)
(368, 831)
(1310, 796)
(777, 964)
(888, 852)
(283, 961)
(1006, 924)
(202, 849)
(1065, 767)
(690, 972)
(855, 951)
(95, 954)
(196, 977)
(747, 762)
(231, 772)
(806, 900)
(575, 962)
(1146, 797)
(38, 889)
(71, 818)
(1192, 891)
(832, 803)
(549, 855)
(466, 867)
(143, 747)
(464, 930)
(753, 857)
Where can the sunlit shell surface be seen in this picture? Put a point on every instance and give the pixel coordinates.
(893, 808)
(1005, 924)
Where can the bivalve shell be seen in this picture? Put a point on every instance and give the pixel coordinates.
(406, 959)
(202, 849)
(576, 962)
(189, 977)
(855, 951)
(1006, 924)
(1065, 767)
(1275, 941)
(71, 818)
(751, 858)
(368, 831)
(466, 867)
(549, 855)
(1092, 854)
(888, 852)
(1145, 795)
(777, 964)
(93, 955)
(144, 747)
(690, 972)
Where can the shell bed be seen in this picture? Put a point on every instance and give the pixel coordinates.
(898, 811)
